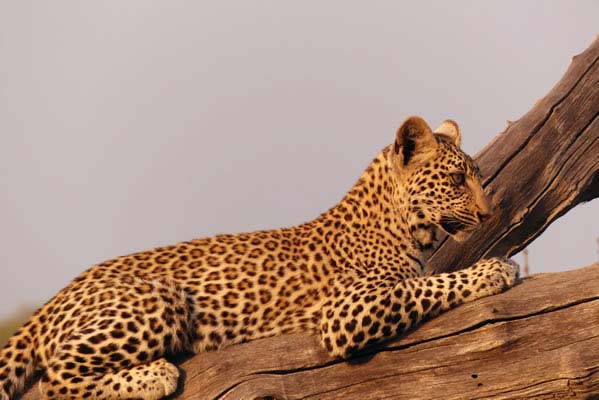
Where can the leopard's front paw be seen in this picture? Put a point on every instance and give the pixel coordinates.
(498, 274)
(509, 270)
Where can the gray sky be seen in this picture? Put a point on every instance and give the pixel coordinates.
(130, 124)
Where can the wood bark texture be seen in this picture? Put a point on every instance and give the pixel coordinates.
(538, 340)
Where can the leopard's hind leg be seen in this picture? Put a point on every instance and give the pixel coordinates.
(153, 380)
(118, 353)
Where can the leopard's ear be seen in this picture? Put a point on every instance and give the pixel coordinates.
(450, 130)
(414, 141)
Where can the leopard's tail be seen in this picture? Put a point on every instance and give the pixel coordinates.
(17, 363)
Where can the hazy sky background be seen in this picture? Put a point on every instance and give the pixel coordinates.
(130, 124)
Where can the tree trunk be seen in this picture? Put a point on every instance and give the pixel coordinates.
(537, 340)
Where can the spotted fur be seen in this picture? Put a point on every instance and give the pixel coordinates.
(354, 275)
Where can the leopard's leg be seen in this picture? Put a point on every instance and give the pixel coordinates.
(118, 352)
(365, 313)
(153, 380)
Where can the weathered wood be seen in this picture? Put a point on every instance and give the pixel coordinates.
(537, 169)
(538, 340)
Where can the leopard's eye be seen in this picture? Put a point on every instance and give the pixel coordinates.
(458, 178)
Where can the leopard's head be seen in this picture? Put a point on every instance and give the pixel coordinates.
(441, 185)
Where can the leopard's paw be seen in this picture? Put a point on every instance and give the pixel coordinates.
(497, 275)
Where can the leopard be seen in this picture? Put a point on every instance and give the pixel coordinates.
(355, 276)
